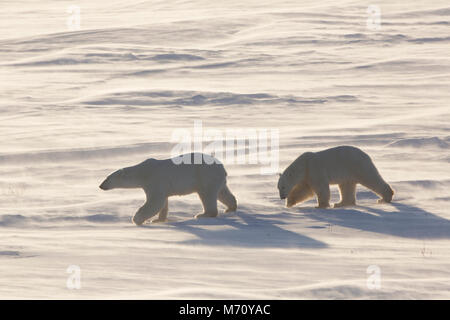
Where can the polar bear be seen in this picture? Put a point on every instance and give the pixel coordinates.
(313, 172)
(185, 174)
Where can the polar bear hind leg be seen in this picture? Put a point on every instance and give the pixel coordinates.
(299, 193)
(348, 194)
(228, 199)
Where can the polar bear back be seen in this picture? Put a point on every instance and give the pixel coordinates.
(187, 174)
(344, 163)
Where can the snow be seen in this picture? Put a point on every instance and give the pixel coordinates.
(77, 104)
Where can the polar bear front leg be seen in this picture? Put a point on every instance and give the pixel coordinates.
(162, 217)
(227, 198)
(299, 193)
(209, 201)
(322, 190)
(348, 194)
(323, 198)
(155, 203)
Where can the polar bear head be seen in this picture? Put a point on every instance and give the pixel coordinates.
(137, 176)
(122, 178)
(295, 174)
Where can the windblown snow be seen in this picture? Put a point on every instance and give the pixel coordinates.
(77, 104)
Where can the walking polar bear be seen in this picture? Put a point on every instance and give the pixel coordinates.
(181, 175)
(313, 172)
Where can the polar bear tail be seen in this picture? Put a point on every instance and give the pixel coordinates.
(228, 199)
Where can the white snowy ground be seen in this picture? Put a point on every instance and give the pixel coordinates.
(76, 105)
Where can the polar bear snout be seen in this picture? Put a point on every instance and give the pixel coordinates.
(282, 187)
(105, 185)
(282, 191)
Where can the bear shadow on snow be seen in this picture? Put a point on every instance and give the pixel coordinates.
(243, 229)
(394, 219)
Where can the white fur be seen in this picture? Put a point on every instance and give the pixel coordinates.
(313, 172)
(161, 179)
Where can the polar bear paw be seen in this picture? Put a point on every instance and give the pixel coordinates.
(343, 204)
(206, 215)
